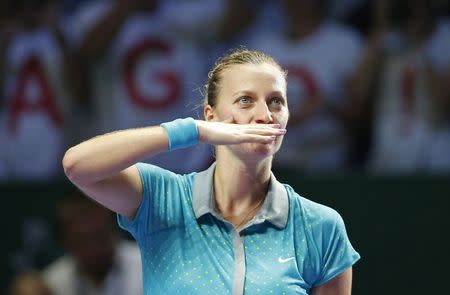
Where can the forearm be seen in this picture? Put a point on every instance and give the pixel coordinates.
(101, 35)
(365, 77)
(236, 18)
(106, 155)
(361, 83)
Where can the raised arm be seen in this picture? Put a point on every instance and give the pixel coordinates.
(103, 167)
(99, 38)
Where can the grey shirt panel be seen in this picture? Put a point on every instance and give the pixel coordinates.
(275, 209)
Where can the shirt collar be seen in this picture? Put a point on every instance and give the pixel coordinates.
(275, 208)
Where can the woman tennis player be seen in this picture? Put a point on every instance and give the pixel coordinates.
(232, 229)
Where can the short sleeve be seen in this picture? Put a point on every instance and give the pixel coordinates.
(160, 203)
(337, 253)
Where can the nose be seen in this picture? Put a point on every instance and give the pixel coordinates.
(262, 114)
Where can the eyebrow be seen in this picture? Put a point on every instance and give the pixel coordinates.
(278, 93)
(241, 92)
(246, 92)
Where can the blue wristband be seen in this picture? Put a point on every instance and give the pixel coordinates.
(182, 133)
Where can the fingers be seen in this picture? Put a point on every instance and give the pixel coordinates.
(264, 130)
(228, 132)
(259, 138)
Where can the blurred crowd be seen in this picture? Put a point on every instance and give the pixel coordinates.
(96, 260)
(368, 90)
(368, 85)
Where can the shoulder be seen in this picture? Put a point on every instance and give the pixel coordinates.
(60, 273)
(153, 175)
(129, 256)
(129, 250)
(129, 262)
(311, 212)
(63, 264)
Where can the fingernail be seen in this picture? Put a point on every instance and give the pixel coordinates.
(283, 130)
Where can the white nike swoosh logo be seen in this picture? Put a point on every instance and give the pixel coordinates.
(281, 260)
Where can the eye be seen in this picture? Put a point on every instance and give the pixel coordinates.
(245, 100)
(277, 101)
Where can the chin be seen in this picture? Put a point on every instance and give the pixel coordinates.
(262, 150)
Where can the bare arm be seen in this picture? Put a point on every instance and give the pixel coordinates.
(363, 81)
(7, 30)
(237, 17)
(99, 38)
(3, 43)
(440, 88)
(103, 167)
(340, 285)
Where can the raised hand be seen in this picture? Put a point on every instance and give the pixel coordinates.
(227, 133)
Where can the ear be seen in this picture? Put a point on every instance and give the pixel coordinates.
(208, 113)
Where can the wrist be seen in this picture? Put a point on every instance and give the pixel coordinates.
(201, 130)
(181, 133)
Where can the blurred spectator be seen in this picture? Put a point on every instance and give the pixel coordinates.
(188, 18)
(320, 57)
(243, 19)
(3, 167)
(35, 99)
(343, 9)
(69, 6)
(438, 57)
(7, 27)
(397, 67)
(29, 283)
(142, 73)
(97, 262)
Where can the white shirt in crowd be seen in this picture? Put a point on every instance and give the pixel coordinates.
(125, 276)
(405, 138)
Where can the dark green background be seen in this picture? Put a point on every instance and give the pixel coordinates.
(399, 225)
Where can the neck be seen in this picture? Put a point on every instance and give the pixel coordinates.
(240, 186)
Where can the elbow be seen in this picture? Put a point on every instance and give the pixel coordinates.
(70, 165)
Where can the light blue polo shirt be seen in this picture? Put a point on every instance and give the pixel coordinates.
(290, 246)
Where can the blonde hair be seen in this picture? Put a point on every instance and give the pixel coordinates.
(235, 57)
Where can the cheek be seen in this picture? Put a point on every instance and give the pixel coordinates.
(241, 116)
(230, 111)
(283, 117)
(223, 114)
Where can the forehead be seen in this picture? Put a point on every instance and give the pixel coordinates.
(253, 77)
